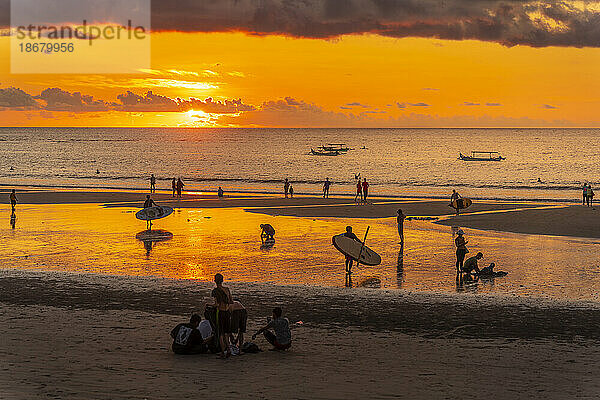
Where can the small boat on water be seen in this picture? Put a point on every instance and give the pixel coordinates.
(341, 147)
(482, 156)
(322, 152)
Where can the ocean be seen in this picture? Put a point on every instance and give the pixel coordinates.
(421, 163)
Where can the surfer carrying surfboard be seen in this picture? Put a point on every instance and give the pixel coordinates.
(454, 197)
(147, 204)
(349, 260)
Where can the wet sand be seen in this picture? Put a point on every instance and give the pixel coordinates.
(577, 221)
(92, 337)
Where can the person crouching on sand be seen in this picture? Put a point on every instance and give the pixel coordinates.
(471, 265)
(281, 339)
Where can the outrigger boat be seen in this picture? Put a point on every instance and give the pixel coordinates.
(482, 156)
(341, 147)
(322, 152)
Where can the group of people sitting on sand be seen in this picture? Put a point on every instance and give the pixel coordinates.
(222, 330)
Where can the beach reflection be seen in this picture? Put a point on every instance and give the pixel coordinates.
(400, 267)
(89, 238)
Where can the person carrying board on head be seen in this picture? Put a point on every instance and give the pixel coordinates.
(147, 204)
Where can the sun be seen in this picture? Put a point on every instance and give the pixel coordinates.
(197, 115)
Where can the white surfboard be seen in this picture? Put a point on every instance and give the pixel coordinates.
(150, 213)
(351, 248)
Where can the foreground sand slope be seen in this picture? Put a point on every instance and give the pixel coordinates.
(50, 352)
(91, 337)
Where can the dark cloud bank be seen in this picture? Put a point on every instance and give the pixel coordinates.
(509, 22)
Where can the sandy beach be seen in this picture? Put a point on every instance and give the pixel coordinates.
(99, 336)
(107, 338)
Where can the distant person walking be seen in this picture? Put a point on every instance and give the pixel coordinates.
(220, 192)
(180, 186)
(590, 196)
(326, 186)
(152, 183)
(461, 250)
(174, 186)
(291, 191)
(13, 200)
(359, 195)
(365, 189)
(286, 187)
(400, 219)
(584, 193)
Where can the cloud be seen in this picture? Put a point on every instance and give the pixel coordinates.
(216, 107)
(56, 99)
(430, 89)
(468, 103)
(509, 22)
(549, 107)
(404, 105)
(493, 104)
(15, 98)
(146, 102)
(357, 104)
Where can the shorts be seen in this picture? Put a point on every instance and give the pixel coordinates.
(239, 319)
(223, 321)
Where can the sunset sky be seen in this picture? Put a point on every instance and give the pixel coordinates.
(328, 63)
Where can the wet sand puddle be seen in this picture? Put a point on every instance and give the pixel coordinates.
(90, 238)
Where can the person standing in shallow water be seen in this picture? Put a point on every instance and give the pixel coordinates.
(174, 186)
(152, 183)
(590, 196)
(180, 186)
(584, 193)
(461, 250)
(286, 187)
(13, 200)
(359, 195)
(365, 190)
(400, 219)
(291, 191)
(326, 186)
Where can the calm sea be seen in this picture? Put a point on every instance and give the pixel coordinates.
(397, 162)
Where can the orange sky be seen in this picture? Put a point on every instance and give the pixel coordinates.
(355, 80)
